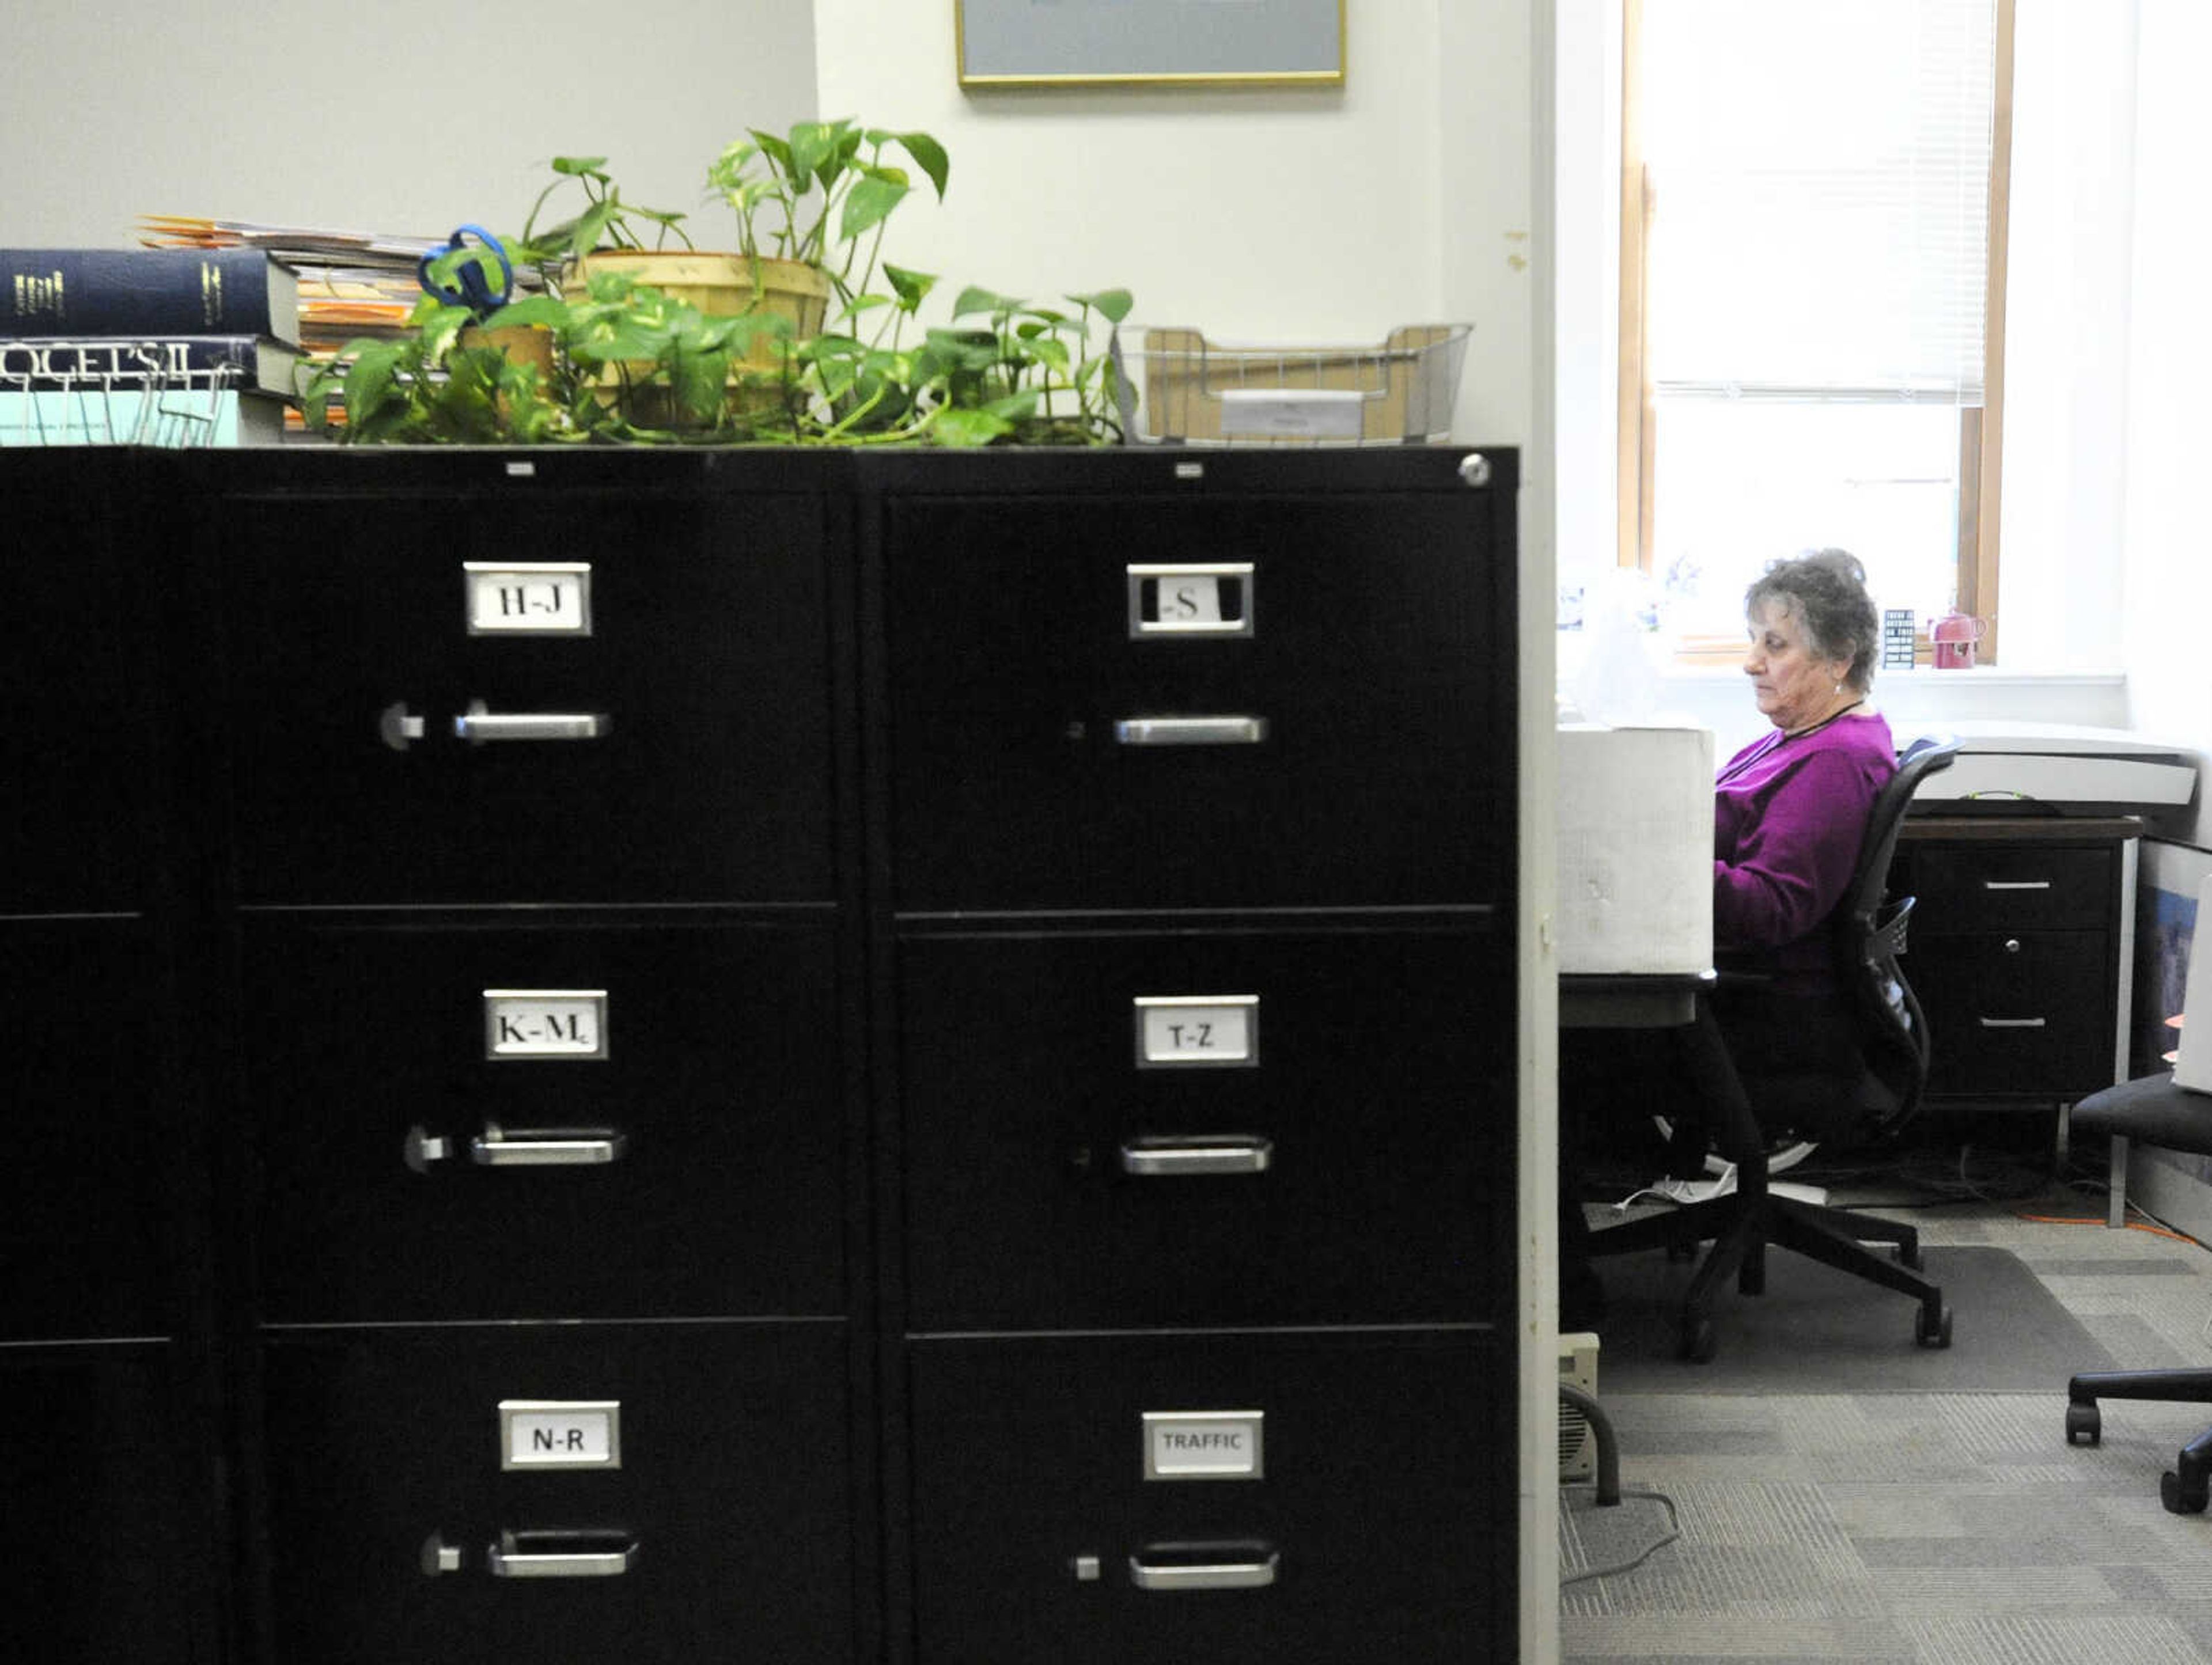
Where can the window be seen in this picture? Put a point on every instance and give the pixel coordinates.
(1812, 260)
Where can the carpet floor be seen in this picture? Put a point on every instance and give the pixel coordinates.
(1834, 1510)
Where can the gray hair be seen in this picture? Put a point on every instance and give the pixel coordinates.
(1825, 592)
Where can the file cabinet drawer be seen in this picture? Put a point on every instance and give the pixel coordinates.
(73, 667)
(94, 1140)
(2030, 1013)
(2010, 887)
(102, 1559)
(412, 1519)
(1243, 1126)
(489, 1119)
(1344, 745)
(670, 742)
(1352, 1498)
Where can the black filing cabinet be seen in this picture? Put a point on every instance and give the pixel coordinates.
(1193, 849)
(2021, 951)
(548, 1131)
(110, 1527)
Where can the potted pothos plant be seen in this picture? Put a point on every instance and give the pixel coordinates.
(637, 356)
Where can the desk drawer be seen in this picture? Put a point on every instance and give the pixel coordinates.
(1379, 1528)
(694, 1169)
(729, 1506)
(2009, 887)
(677, 750)
(2029, 1014)
(1355, 1166)
(1348, 746)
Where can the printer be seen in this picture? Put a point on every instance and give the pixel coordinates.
(2057, 769)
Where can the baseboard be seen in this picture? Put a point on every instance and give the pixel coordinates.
(2159, 1183)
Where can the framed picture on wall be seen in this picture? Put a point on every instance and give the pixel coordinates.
(1058, 43)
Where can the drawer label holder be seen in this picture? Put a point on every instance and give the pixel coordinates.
(1211, 598)
(567, 1024)
(528, 598)
(1197, 1031)
(560, 1433)
(1204, 1445)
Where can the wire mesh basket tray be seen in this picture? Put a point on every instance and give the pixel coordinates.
(1174, 387)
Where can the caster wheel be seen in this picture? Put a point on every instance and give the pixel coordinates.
(1907, 1255)
(1682, 1251)
(1700, 1343)
(2179, 1501)
(2083, 1420)
(1938, 1334)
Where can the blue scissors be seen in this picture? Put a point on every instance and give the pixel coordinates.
(473, 289)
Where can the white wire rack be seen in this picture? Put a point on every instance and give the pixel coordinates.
(59, 391)
(1176, 388)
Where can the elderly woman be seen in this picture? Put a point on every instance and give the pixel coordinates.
(1789, 814)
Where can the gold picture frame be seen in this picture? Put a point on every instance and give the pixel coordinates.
(1149, 43)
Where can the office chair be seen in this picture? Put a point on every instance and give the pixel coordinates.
(1867, 931)
(2162, 1110)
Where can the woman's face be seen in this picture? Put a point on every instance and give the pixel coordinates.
(1793, 686)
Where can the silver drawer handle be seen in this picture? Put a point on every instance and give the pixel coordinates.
(2013, 1023)
(2015, 884)
(517, 1555)
(1157, 1158)
(492, 1149)
(1203, 1575)
(477, 725)
(1190, 731)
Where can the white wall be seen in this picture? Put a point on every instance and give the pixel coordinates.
(403, 115)
(2168, 549)
(1296, 216)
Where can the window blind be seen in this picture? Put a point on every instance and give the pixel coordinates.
(1819, 179)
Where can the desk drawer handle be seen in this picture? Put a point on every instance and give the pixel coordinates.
(1190, 731)
(562, 1555)
(1202, 1566)
(2013, 1023)
(2015, 884)
(477, 725)
(1173, 1158)
(494, 1149)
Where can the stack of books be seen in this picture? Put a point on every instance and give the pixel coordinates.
(352, 284)
(170, 347)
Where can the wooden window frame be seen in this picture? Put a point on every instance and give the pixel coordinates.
(1981, 430)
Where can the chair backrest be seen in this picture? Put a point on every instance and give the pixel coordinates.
(1869, 934)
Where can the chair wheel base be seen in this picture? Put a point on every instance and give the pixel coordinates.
(1908, 1256)
(1932, 1331)
(1699, 1343)
(2180, 1498)
(2084, 1421)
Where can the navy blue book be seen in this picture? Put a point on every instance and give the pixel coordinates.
(147, 292)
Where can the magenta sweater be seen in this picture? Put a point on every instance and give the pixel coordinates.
(1788, 817)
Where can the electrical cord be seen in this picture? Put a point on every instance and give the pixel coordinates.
(1673, 1531)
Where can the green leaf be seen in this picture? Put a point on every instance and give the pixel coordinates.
(582, 167)
(698, 380)
(963, 426)
(974, 299)
(549, 311)
(1051, 352)
(812, 143)
(910, 286)
(870, 200)
(1112, 305)
(928, 155)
